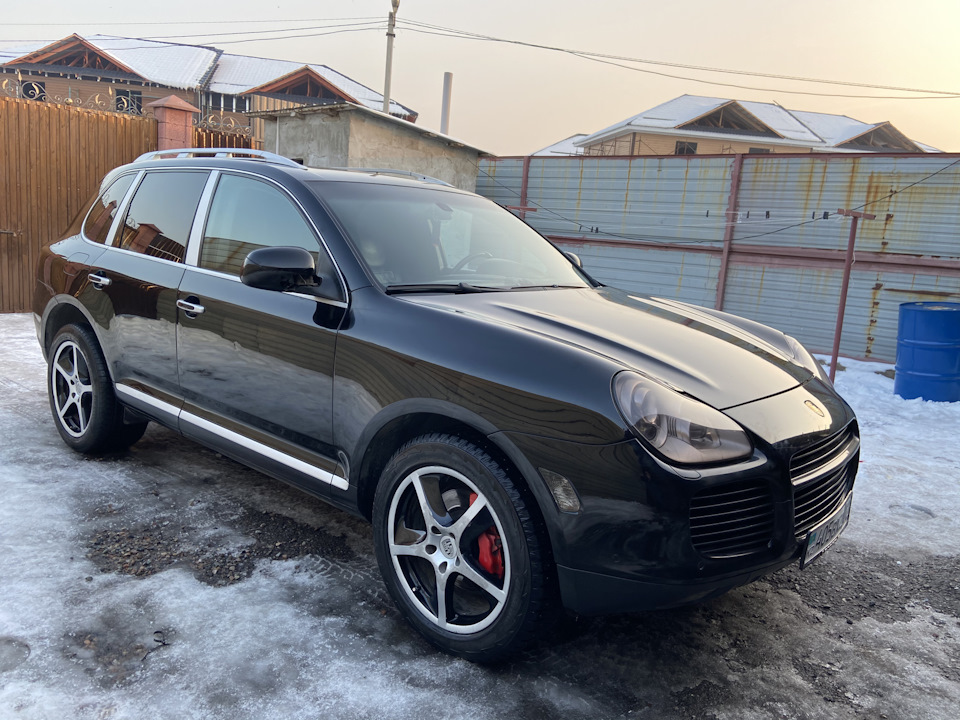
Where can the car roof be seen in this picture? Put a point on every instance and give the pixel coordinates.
(274, 166)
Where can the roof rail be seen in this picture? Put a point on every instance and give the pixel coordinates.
(218, 153)
(401, 173)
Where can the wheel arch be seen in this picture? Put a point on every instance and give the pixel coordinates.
(58, 314)
(406, 420)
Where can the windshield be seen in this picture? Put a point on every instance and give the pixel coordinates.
(429, 239)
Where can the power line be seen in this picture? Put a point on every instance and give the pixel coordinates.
(373, 21)
(96, 23)
(307, 35)
(439, 30)
(418, 27)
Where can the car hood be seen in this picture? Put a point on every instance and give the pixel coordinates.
(718, 358)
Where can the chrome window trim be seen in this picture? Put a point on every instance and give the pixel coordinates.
(194, 240)
(235, 437)
(316, 231)
(234, 278)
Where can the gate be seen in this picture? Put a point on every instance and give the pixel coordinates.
(53, 157)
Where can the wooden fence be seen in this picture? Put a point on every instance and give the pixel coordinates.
(52, 158)
(203, 138)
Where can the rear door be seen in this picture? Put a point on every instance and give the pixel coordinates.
(133, 284)
(256, 366)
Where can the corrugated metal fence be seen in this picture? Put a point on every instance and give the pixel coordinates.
(756, 235)
(51, 161)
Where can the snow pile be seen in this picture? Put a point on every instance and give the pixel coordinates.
(907, 496)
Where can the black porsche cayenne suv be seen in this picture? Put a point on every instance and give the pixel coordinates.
(522, 437)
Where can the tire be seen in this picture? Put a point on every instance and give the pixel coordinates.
(441, 509)
(84, 406)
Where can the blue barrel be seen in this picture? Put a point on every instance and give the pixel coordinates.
(928, 351)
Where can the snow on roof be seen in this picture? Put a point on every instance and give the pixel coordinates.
(796, 127)
(782, 121)
(178, 66)
(563, 147)
(236, 74)
(189, 67)
(834, 129)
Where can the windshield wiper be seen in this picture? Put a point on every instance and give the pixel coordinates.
(437, 288)
(552, 287)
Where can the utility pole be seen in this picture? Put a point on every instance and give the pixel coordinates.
(391, 26)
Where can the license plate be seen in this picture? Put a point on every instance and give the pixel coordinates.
(824, 535)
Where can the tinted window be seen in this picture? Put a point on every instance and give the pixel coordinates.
(421, 235)
(161, 213)
(247, 214)
(97, 224)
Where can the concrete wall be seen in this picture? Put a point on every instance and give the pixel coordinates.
(318, 139)
(356, 139)
(378, 143)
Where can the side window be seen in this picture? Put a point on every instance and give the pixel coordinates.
(247, 214)
(161, 213)
(101, 215)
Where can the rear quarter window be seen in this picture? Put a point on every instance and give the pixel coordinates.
(96, 226)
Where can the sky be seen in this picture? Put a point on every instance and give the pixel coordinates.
(510, 99)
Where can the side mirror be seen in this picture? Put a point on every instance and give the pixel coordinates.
(575, 259)
(279, 269)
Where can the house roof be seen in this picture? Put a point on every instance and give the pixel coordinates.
(786, 127)
(190, 67)
(336, 108)
(237, 74)
(563, 147)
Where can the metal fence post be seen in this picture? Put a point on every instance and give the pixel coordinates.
(732, 203)
(847, 268)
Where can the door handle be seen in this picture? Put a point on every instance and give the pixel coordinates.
(99, 281)
(190, 309)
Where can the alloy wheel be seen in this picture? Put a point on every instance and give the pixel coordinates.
(448, 549)
(72, 389)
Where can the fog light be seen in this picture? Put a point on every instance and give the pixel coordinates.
(563, 492)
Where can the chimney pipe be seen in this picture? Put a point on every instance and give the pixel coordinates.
(445, 109)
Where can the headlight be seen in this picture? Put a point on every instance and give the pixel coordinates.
(802, 357)
(679, 428)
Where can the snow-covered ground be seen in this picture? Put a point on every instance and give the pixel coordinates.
(88, 632)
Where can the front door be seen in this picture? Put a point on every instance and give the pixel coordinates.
(256, 366)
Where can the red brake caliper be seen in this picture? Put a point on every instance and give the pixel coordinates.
(491, 549)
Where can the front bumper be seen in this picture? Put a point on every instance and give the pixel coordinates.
(652, 536)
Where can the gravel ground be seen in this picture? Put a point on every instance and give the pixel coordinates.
(169, 579)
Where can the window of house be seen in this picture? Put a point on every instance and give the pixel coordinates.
(247, 214)
(759, 151)
(101, 215)
(685, 148)
(161, 213)
(130, 101)
(34, 90)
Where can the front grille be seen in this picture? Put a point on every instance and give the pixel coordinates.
(811, 460)
(822, 477)
(733, 519)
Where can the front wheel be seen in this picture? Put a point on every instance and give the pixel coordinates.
(82, 400)
(458, 549)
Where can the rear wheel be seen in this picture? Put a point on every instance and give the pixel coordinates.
(458, 549)
(85, 409)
